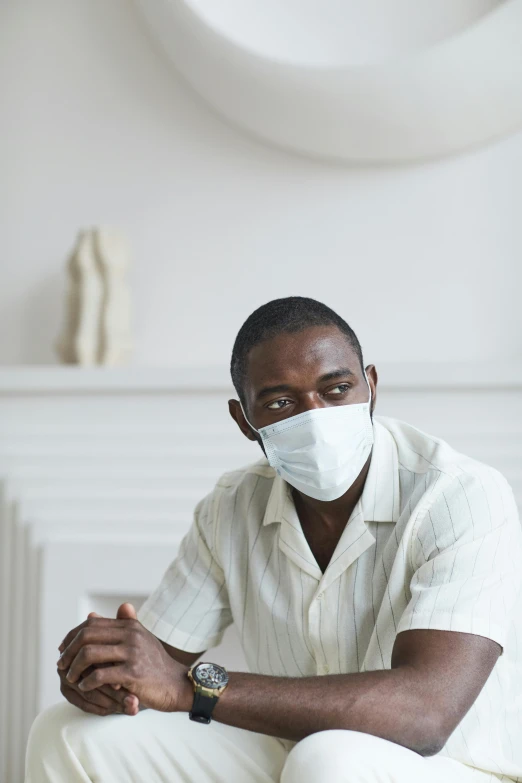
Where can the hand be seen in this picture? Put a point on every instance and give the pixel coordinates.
(141, 664)
(103, 701)
(106, 700)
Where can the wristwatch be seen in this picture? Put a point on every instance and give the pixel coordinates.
(209, 681)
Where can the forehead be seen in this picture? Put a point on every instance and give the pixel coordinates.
(299, 357)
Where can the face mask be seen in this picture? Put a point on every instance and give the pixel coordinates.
(320, 452)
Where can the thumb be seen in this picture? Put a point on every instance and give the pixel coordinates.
(126, 612)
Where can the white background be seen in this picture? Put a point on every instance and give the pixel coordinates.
(424, 262)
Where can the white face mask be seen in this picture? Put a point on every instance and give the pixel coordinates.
(321, 452)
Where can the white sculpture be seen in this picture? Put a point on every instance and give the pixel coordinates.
(97, 327)
(434, 79)
(112, 254)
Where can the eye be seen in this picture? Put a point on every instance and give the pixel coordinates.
(343, 387)
(275, 406)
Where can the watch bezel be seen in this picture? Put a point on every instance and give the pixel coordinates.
(215, 688)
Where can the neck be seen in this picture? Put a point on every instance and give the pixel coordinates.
(333, 513)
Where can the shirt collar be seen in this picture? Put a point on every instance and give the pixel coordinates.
(380, 496)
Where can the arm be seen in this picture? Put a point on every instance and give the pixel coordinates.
(185, 658)
(435, 678)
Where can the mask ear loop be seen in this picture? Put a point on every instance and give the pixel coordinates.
(244, 414)
(369, 389)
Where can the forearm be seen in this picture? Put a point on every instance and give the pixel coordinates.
(393, 704)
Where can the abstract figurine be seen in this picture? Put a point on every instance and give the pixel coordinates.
(97, 327)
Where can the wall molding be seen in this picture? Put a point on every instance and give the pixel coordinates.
(37, 380)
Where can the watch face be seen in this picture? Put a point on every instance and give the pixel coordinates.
(210, 675)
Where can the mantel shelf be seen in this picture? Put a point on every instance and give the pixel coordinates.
(35, 380)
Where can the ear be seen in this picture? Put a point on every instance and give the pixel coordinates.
(373, 379)
(234, 408)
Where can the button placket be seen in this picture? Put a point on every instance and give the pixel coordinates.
(313, 625)
(314, 622)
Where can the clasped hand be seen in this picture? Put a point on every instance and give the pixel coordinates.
(116, 665)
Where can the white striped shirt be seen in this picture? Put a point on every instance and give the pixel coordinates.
(433, 542)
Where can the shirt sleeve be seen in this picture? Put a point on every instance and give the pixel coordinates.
(190, 608)
(466, 557)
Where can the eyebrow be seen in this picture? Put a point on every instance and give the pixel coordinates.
(342, 372)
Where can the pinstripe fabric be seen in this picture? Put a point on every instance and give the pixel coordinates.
(433, 542)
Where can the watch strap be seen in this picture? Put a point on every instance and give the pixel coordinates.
(202, 706)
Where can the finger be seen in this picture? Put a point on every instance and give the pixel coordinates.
(112, 675)
(108, 690)
(81, 702)
(112, 701)
(89, 623)
(120, 696)
(132, 705)
(101, 700)
(125, 703)
(129, 704)
(115, 687)
(99, 631)
(93, 654)
(127, 612)
(70, 636)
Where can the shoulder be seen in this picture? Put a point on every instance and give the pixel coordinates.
(445, 467)
(240, 494)
(234, 480)
(246, 482)
(420, 452)
(451, 496)
(245, 490)
(234, 510)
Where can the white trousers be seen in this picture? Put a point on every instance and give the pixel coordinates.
(69, 746)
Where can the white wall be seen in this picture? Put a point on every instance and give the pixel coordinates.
(424, 262)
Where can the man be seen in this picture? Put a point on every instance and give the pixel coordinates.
(374, 576)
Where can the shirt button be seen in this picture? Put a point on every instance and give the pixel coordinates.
(325, 669)
(320, 596)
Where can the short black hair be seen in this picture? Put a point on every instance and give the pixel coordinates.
(290, 314)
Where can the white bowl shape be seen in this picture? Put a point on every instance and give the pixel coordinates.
(355, 80)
